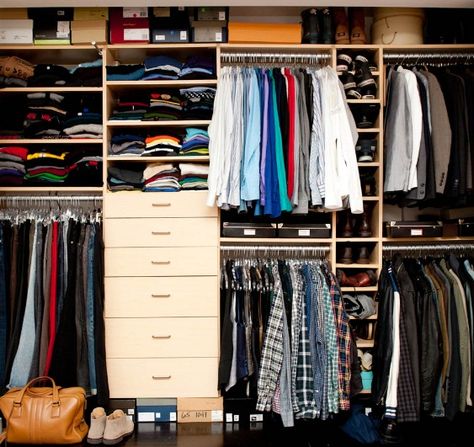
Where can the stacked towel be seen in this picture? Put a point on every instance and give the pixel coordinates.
(12, 165)
(195, 142)
(193, 176)
(161, 177)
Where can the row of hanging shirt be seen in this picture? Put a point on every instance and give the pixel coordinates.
(282, 140)
(424, 341)
(51, 299)
(285, 336)
(429, 135)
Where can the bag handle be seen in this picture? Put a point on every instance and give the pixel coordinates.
(16, 411)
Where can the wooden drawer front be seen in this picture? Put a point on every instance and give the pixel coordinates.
(161, 261)
(161, 337)
(158, 204)
(185, 377)
(161, 232)
(189, 296)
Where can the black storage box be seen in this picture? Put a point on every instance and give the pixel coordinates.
(466, 227)
(168, 30)
(247, 229)
(51, 14)
(241, 410)
(304, 230)
(127, 405)
(52, 30)
(414, 229)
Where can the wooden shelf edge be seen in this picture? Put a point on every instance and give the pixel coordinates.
(359, 289)
(47, 141)
(130, 123)
(164, 159)
(357, 266)
(162, 83)
(414, 240)
(52, 189)
(276, 240)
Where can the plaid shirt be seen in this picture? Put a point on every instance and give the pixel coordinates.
(331, 374)
(304, 373)
(272, 351)
(296, 328)
(343, 345)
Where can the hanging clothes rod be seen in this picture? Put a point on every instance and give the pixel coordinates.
(52, 198)
(272, 57)
(273, 248)
(431, 55)
(428, 247)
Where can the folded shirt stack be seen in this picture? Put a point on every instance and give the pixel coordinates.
(195, 142)
(162, 145)
(125, 72)
(86, 74)
(46, 167)
(49, 75)
(83, 125)
(130, 109)
(198, 67)
(164, 106)
(125, 179)
(161, 178)
(198, 102)
(45, 115)
(85, 168)
(127, 144)
(161, 67)
(12, 165)
(193, 176)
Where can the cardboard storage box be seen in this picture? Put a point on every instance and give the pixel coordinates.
(208, 31)
(13, 13)
(128, 29)
(16, 31)
(91, 13)
(200, 409)
(52, 32)
(213, 13)
(156, 410)
(128, 406)
(87, 31)
(247, 32)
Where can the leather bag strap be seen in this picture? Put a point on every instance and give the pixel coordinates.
(17, 403)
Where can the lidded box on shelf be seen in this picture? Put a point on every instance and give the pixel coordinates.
(414, 229)
(398, 26)
(87, 31)
(250, 32)
(169, 25)
(16, 31)
(129, 25)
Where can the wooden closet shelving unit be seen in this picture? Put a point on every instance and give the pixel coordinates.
(188, 212)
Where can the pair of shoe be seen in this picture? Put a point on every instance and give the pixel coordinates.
(362, 279)
(357, 26)
(109, 430)
(347, 256)
(365, 150)
(368, 184)
(361, 223)
(365, 115)
(356, 77)
(365, 359)
(317, 26)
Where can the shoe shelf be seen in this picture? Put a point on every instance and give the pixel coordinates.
(361, 343)
(368, 129)
(372, 317)
(359, 289)
(363, 101)
(340, 265)
(371, 198)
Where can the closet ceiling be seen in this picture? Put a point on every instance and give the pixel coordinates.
(272, 3)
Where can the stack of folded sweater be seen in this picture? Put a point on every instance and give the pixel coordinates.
(125, 179)
(198, 102)
(46, 167)
(12, 165)
(195, 142)
(162, 145)
(198, 67)
(85, 168)
(49, 75)
(45, 115)
(130, 108)
(162, 67)
(125, 72)
(83, 125)
(127, 144)
(86, 74)
(193, 176)
(164, 106)
(161, 177)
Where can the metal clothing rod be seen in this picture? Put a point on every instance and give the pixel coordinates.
(427, 247)
(431, 55)
(272, 57)
(272, 248)
(43, 198)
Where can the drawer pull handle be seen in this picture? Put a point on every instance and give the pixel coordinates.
(161, 377)
(161, 204)
(161, 262)
(161, 233)
(166, 295)
(161, 337)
